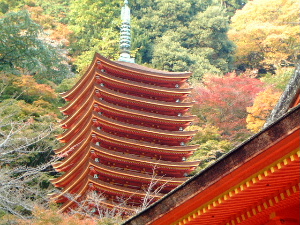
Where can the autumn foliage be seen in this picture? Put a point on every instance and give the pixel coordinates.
(222, 102)
(34, 90)
(263, 104)
(51, 216)
(39, 46)
(266, 32)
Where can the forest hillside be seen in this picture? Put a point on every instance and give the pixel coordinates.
(242, 54)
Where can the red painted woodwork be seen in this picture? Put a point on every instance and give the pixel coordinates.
(123, 121)
(261, 190)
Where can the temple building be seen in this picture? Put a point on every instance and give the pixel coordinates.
(257, 183)
(125, 132)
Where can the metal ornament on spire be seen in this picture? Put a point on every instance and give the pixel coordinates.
(125, 13)
(125, 40)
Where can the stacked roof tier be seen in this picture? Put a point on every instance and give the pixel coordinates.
(125, 132)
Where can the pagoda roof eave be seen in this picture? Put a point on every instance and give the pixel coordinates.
(89, 163)
(109, 106)
(135, 68)
(144, 100)
(136, 128)
(82, 121)
(79, 91)
(104, 203)
(143, 85)
(74, 169)
(135, 175)
(88, 106)
(68, 188)
(87, 75)
(83, 133)
(74, 101)
(69, 202)
(162, 148)
(90, 182)
(132, 158)
(66, 161)
(146, 114)
(121, 190)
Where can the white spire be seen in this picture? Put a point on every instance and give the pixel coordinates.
(125, 40)
(125, 13)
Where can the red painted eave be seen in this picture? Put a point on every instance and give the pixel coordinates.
(250, 182)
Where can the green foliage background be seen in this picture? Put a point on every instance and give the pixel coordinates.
(45, 46)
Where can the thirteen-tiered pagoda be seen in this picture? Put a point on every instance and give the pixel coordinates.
(124, 130)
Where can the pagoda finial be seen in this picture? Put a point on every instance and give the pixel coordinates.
(125, 40)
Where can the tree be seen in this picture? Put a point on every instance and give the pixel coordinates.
(47, 216)
(190, 37)
(266, 33)
(212, 146)
(21, 181)
(23, 51)
(262, 106)
(10, 5)
(280, 79)
(58, 32)
(207, 40)
(96, 28)
(170, 55)
(26, 142)
(32, 91)
(57, 9)
(222, 102)
(233, 5)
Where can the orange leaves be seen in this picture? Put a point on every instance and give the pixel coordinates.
(37, 91)
(263, 104)
(61, 33)
(58, 31)
(222, 102)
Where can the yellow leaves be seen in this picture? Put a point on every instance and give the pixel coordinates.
(52, 216)
(262, 107)
(61, 33)
(41, 103)
(269, 27)
(31, 88)
(30, 109)
(42, 216)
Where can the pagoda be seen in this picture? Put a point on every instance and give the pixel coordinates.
(125, 131)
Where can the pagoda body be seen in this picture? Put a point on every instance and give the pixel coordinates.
(124, 130)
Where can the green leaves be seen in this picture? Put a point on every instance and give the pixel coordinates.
(96, 29)
(24, 50)
(211, 145)
(170, 55)
(185, 36)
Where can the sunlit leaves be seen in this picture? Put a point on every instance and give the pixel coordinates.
(34, 91)
(266, 32)
(280, 79)
(96, 28)
(222, 102)
(263, 104)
